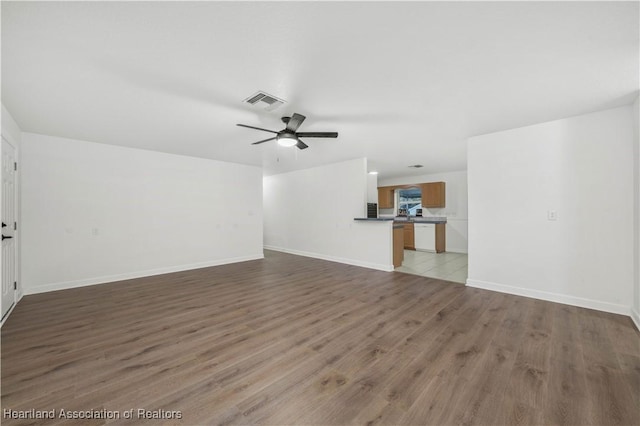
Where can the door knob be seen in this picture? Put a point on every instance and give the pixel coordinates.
(5, 237)
(4, 224)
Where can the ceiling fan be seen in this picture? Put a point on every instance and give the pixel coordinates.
(288, 136)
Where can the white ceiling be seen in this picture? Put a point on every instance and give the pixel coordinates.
(403, 83)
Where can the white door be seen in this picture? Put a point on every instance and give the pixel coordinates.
(8, 227)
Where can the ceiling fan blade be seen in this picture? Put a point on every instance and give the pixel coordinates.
(257, 128)
(302, 145)
(317, 134)
(263, 141)
(295, 121)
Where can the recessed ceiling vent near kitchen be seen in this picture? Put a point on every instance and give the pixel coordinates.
(264, 100)
(416, 166)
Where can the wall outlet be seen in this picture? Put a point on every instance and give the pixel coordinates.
(552, 215)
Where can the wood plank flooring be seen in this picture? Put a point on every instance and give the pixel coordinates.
(294, 340)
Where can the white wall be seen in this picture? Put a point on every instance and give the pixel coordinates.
(310, 212)
(580, 167)
(636, 212)
(96, 213)
(372, 188)
(456, 210)
(9, 126)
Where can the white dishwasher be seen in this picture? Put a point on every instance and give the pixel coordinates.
(425, 236)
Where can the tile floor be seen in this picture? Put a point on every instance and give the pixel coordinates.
(447, 266)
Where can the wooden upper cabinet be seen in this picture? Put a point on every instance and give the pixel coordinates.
(385, 197)
(433, 194)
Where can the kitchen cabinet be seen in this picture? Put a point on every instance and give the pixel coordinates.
(398, 245)
(433, 194)
(430, 237)
(409, 242)
(441, 237)
(385, 197)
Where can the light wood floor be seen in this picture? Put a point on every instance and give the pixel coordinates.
(293, 340)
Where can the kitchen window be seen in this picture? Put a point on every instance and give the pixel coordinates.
(409, 199)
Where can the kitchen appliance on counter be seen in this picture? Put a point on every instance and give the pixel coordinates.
(418, 212)
(372, 210)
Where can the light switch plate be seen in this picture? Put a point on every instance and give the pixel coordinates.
(552, 215)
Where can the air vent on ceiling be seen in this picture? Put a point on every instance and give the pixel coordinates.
(417, 166)
(264, 100)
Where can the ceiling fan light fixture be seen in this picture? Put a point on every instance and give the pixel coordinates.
(287, 140)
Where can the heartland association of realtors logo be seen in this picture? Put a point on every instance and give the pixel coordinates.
(133, 413)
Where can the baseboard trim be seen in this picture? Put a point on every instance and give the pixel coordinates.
(139, 274)
(19, 295)
(635, 317)
(457, 250)
(551, 297)
(377, 266)
(6, 317)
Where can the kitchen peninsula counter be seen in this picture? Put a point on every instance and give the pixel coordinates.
(414, 233)
(404, 220)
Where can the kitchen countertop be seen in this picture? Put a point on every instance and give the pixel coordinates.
(404, 220)
(422, 220)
